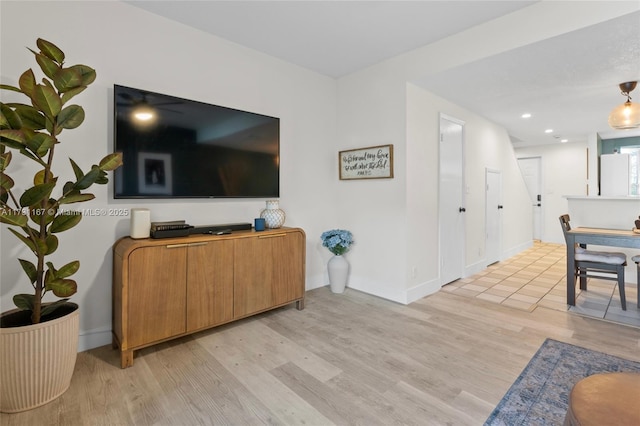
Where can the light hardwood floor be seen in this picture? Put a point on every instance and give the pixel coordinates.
(345, 359)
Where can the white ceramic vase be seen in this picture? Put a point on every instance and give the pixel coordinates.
(273, 215)
(338, 268)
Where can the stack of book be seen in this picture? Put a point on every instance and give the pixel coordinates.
(174, 228)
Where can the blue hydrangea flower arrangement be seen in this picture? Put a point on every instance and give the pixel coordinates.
(337, 241)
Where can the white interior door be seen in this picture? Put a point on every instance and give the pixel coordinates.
(451, 200)
(493, 215)
(531, 169)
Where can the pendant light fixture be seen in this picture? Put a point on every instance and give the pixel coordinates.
(627, 115)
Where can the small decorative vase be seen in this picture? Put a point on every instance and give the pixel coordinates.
(338, 268)
(273, 215)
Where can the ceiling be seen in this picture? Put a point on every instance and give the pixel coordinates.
(569, 83)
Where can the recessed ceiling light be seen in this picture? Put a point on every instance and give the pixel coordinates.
(549, 131)
(564, 140)
(526, 115)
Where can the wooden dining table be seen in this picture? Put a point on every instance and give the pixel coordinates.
(594, 236)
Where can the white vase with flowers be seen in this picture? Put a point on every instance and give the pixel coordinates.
(338, 241)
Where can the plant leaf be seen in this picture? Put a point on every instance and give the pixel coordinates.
(68, 269)
(29, 269)
(49, 308)
(48, 66)
(62, 287)
(65, 221)
(87, 73)
(13, 135)
(111, 161)
(4, 121)
(10, 119)
(88, 179)
(52, 244)
(24, 302)
(48, 84)
(76, 198)
(39, 177)
(50, 50)
(47, 100)
(68, 188)
(102, 179)
(20, 147)
(9, 87)
(13, 217)
(66, 96)
(31, 117)
(40, 144)
(76, 170)
(67, 79)
(27, 82)
(36, 194)
(71, 117)
(5, 181)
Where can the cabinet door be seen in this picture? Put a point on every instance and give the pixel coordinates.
(268, 272)
(287, 282)
(209, 284)
(157, 294)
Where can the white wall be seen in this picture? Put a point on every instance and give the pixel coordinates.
(564, 172)
(134, 48)
(394, 221)
(486, 146)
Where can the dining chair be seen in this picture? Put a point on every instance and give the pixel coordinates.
(637, 260)
(592, 264)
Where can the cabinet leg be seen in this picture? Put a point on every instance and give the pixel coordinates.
(300, 304)
(126, 359)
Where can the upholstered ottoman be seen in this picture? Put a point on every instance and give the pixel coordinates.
(605, 399)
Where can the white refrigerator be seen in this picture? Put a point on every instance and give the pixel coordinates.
(614, 175)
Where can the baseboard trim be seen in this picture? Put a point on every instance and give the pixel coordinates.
(94, 338)
(422, 290)
(380, 290)
(517, 249)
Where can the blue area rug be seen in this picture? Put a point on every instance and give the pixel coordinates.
(540, 395)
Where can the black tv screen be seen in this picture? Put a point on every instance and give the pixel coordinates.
(179, 148)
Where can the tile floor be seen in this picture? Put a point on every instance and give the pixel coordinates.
(536, 277)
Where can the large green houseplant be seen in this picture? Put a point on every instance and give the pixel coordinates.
(34, 207)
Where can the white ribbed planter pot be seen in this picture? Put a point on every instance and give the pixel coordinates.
(37, 362)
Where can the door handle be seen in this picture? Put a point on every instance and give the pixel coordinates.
(462, 210)
(500, 207)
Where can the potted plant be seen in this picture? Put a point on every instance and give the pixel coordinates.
(33, 210)
(338, 241)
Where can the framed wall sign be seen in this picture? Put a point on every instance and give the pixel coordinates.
(375, 162)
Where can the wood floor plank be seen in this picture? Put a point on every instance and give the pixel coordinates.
(286, 405)
(426, 408)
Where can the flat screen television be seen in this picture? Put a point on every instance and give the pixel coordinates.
(179, 148)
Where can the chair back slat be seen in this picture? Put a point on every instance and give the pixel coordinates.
(564, 221)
